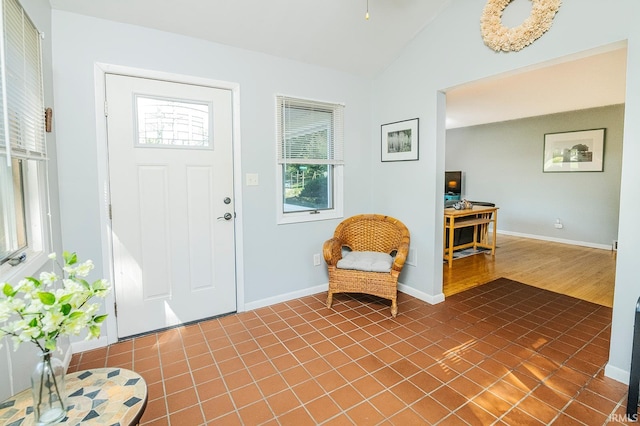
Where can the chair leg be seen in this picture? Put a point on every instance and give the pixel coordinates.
(329, 300)
(394, 307)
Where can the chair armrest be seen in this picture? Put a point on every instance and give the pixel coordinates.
(332, 251)
(401, 257)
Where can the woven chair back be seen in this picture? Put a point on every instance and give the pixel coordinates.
(372, 232)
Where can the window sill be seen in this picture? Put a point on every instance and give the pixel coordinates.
(287, 218)
(30, 267)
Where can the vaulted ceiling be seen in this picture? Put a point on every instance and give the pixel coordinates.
(336, 35)
(330, 33)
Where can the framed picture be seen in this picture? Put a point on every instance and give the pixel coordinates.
(581, 151)
(399, 140)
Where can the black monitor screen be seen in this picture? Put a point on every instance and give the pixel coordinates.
(453, 182)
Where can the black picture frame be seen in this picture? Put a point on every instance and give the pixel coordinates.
(577, 151)
(399, 141)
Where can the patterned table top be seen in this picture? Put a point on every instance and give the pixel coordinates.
(101, 396)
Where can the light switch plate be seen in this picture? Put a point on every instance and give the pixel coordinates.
(252, 179)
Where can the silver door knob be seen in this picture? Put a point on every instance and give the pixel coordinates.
(227, 216)
(227, 200)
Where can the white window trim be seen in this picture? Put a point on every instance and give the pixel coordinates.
(38, 228)
(36, 185)
(336, 212)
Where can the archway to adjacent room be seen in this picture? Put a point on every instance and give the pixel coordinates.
(491, 178)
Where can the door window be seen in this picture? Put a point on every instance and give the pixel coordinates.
(164, 123)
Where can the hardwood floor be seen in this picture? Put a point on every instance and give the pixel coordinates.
(582, 272)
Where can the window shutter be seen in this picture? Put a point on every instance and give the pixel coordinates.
(24, 108)
(309, 132)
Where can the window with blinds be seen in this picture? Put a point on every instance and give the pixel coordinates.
(22, 68)
(22, 140)
(310, 158)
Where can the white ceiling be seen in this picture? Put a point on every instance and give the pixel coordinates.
(595, 80)
(330, 33)
(334, 34)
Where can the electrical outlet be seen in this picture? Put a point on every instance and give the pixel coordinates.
(412, 257)
(316, 259)
(558, 224)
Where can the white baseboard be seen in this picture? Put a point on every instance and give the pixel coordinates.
(430, 299)
(556, 240)
(323, 288)
(616, 373)
(285, 297)
(87, 345)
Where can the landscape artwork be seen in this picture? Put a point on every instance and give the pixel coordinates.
(399, 141)
(579, 151)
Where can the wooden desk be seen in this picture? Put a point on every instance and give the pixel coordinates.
(107, 395)
(479, 217)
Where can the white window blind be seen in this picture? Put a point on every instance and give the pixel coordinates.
(23, 123)
(309, 132)
(22, 136)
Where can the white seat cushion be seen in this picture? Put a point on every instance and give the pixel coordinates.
(371, 261)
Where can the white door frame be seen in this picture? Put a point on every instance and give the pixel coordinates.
(100, 70)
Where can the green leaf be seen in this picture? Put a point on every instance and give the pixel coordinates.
(47, 298)
(100, 318)
(84, 283)
(50, 344)
(65, 298)
(94, 330)
(8, 290)
(69, 258)
(75, 314)
(65, 309)
(35, 282)
(100, 284)
(33, 322)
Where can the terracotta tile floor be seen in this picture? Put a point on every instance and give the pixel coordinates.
(501, 353)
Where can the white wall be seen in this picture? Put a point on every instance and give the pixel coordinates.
(502, 163)
(627, 286)
(277, 259)
(450, 52)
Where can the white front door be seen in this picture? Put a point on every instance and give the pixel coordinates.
(171, 193)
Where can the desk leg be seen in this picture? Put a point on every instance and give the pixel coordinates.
(475, 237)
(444, 240)
(484, 231)
(495, 228)
(451, 232)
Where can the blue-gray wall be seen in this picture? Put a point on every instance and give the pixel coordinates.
(502, 163)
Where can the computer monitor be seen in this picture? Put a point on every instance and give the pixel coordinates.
(453, 182)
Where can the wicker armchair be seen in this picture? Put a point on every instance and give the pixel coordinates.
(370, 232)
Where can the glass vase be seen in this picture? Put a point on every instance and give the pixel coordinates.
(48, 390)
